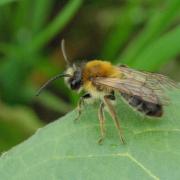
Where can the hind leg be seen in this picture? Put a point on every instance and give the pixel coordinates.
(107, 101)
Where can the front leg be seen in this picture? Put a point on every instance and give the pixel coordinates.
(81, 103)
(107, 101)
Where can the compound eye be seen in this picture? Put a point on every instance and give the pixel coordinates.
(74, 84)
(76, 80)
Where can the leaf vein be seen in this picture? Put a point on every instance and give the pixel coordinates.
(142, 167)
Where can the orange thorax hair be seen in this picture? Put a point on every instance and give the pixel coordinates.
(98, 68)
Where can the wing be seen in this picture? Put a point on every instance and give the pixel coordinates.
(150, 87)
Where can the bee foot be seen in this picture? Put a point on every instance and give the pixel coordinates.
(123, 140)
(100, 140)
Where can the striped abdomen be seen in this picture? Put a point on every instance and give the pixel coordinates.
(148, 108)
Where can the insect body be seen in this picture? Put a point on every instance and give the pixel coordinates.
(101, 80)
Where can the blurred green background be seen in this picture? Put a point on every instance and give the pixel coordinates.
(142, 34)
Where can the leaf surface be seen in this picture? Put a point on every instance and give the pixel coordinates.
(68, 150)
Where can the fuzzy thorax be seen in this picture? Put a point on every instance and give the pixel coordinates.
(97, 68)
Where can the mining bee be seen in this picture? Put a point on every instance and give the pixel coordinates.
(143, 91)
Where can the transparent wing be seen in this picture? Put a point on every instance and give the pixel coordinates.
(150, 87)
(151, 79)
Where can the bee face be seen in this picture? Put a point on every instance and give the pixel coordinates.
(75, 80)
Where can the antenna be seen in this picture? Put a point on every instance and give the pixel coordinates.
(59, 75)
(50, 81)
(64, 52)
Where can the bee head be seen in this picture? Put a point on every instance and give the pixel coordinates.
(74, 81)
(72, 76)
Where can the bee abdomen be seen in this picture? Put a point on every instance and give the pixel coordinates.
(148, 108)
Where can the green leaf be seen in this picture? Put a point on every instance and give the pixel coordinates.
(157, 24)
(3, 2)
(159, 52)
(59, 22)
(41, 11)
(16, 124)
(119, 33)
(68, 150)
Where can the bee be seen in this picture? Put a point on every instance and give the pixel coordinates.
(143, 91)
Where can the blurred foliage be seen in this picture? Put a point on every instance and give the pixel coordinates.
(142, 34)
